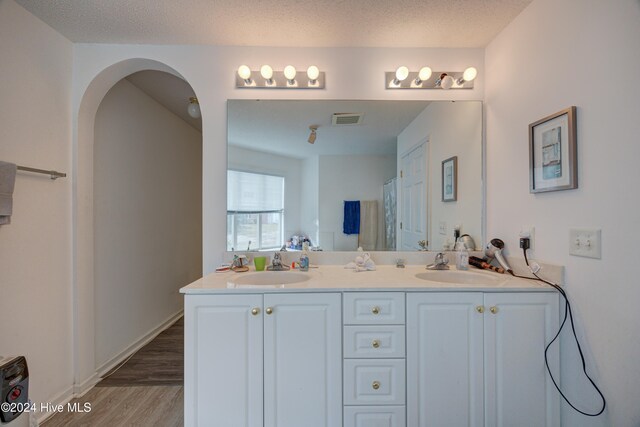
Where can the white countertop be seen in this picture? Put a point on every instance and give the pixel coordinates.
(327, 278)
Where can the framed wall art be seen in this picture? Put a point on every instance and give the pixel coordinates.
(553, 159)
(450, 179)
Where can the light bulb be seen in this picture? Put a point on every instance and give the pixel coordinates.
(244, 72)
(469, 74)
(402, 73)
(423, 74)
(193, 108)
(447, 82)
(266, 72)
(290, 72)
(313, 73)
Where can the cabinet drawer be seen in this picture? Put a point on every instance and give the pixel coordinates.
(374, 382)
(373, 341)
(378, 416)
(374, 308)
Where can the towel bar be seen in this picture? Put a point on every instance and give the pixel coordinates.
(52, 174)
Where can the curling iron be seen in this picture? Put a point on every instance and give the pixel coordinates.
(480, 263)
(494, 250)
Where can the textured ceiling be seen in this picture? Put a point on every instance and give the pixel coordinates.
(282, 127)
(306, 23)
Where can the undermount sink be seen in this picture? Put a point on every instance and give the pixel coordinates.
(268, 279)
(462, 277)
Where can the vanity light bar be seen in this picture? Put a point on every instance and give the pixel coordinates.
(427, 79)
(289, 78)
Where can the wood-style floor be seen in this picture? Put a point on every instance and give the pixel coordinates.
(153, 406)
(145, 391)
(161, 362)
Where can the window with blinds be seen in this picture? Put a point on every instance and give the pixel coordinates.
(255, 211)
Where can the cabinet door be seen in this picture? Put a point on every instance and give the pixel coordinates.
(444, 359)
(223, 360)
(302, 360)
(517, 328)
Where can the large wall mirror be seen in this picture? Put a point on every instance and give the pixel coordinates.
(381, 175)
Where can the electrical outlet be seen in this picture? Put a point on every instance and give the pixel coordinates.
(585, 242)
(527, 231)
(443, 228)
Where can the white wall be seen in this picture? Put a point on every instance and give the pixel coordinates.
(309, 199)
(35, 249)
(351, 178)
(247, 160)
(554, 55)
(148, 216)
(453, 129)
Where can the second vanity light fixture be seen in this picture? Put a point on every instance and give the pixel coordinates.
(425, 78)
(289, 78)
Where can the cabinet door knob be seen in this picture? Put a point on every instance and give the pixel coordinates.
(375, 344)
(255, 311)
(375, 309)
(269, 310)
(480, 309)
(375, 385)
(493, 309)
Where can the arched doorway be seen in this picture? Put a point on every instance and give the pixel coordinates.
(84, 291)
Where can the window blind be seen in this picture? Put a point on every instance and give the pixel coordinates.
(253, 192)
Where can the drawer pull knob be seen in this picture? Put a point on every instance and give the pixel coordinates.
(269, 310)
(375, 385)
(480, 309)
(375, 344)
(375, 310)
(255, 311)
(493, 309)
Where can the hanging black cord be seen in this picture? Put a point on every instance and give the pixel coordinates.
(567, 312)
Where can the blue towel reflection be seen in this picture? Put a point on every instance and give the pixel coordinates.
(351, 224)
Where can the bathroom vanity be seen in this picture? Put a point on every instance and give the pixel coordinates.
(391, 347)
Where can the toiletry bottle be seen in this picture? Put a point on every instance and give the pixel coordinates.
(462, 256)
(304, 261)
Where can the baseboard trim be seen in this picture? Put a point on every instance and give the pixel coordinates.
(81, 389)
(61, 398)
(137, 345)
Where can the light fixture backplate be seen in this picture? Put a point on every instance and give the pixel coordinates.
(279, 81)
(430, 83)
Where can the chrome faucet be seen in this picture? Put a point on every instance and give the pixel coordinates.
(440, 263)
(276, 263)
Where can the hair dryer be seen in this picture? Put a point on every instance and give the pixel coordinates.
(494, 250)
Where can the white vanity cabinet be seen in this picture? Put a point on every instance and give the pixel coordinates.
(364, 358)
(272, 360)
(477, 359)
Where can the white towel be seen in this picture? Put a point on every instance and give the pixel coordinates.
(7, 182)
(362, 263)
(368, 236)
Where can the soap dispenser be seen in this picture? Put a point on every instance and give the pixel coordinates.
(462, 256)
(304, 261)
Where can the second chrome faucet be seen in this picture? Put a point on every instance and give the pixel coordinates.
(440, 263)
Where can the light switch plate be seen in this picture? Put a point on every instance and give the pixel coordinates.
(443, 228)
(585, 242)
